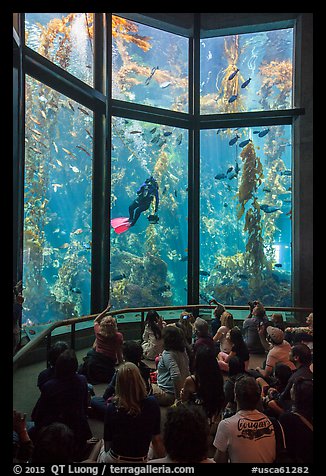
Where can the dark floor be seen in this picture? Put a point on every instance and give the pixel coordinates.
(26, 392)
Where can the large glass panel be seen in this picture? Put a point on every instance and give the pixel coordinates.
(66, 39)
(247, 72)
(57, 206)
(149, 259)
(245, 215)
(149, 66)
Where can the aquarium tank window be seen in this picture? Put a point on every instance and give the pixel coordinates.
(57, 241)
(246, 72)
(149, 262)
(66, 39)
(246, 215)
(149, 66)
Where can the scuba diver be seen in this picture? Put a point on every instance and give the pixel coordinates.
(146, 193)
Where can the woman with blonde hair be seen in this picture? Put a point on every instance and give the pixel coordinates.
(99, 364)
(132, 421)
(221, 336)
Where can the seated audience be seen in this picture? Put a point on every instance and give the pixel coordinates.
(172, 368)
(239, 349)
(216, 316)
(303, 334)
(132, 352)
(236, 370)
(132, 421)
(257, 318)
(205, 386)
(276, 320)
(222, 334)
(298, 423)
(294, 334)
(279, 350)
(300, 355)
(202, 336)
(152, 336)
(248, 436)
(185, 436)
(64, 399)
(186, 324)
(55, 443)
(56, 349)
(99, 364)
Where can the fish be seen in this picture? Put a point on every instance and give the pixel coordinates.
(256, 132)
(78, 231)
(267, 190)
(153, 130)
(237, 168)
(287, 173)
(75, 290)
(135, 132)
(118, 277)
(155, 139)
(269, 208)
(35, 120)
(263, 133)
(242, 276)
(32, 332)
(244, 143)
(165, 84)
(231, 173)
(90, 135)
(88, 245)
(232, 98)
(245, 84)
(167, 133)
(179, 139)
(147, 80)
(83, 111)
(74, 168)
(68, 152)
(220, 176)
(278, 265)
(234, 140)
(64, 246)
(56, 186)
(204, 273)
(175, 193)
(233, 74)
(71, 106)
(184, 258)
(83, 149)
(225, 205)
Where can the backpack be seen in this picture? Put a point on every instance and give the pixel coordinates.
(282, 454)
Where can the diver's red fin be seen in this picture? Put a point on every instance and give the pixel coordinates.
(120, 224)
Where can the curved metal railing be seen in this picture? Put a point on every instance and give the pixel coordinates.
(46, 333)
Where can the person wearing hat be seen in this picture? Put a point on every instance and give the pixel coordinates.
(278, 352)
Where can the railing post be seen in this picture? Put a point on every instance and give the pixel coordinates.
(48, 347)
(72, 336)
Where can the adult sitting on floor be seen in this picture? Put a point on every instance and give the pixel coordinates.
(185, 436)
(248, 436)
(132, 352)
(132, 421)
(64, 399)
(257, 319)
(99, 363)
(172, 367)
(279, 350)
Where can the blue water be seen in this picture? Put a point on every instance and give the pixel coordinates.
(245, 253)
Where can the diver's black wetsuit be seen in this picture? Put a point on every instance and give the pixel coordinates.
(146, 193)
